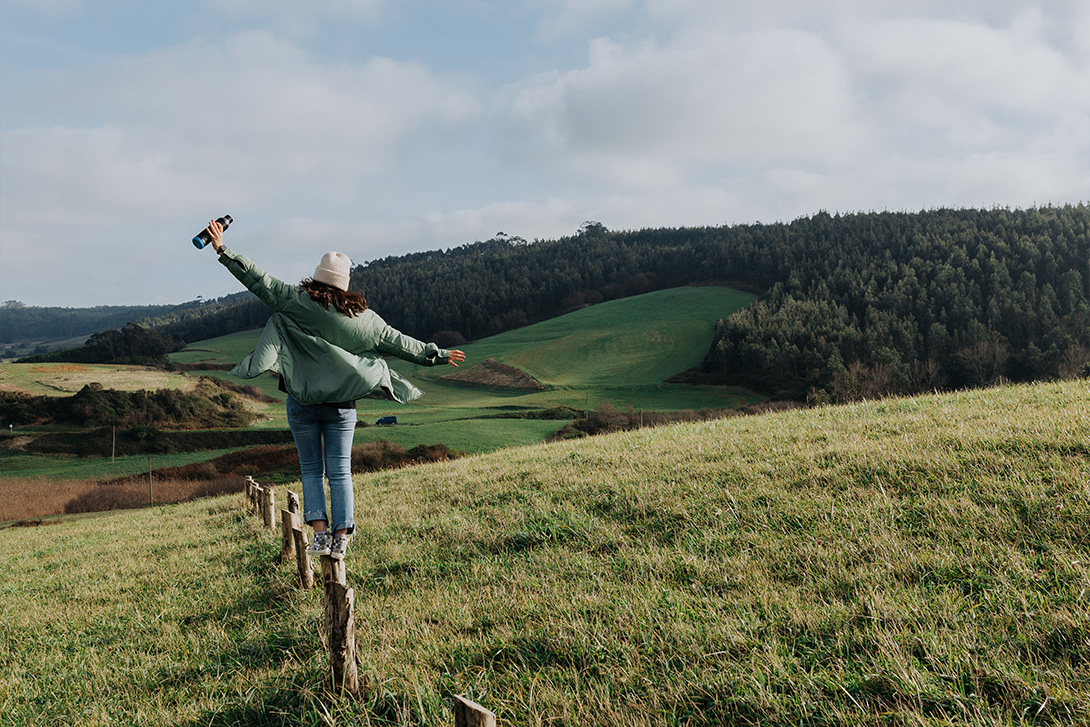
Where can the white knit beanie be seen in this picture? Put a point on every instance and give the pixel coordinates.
(333, 270)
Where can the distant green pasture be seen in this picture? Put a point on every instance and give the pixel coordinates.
(75, 467)
(619, 352)
(637, 341)
(223, 349)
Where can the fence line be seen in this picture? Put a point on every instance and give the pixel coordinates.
(338, 599)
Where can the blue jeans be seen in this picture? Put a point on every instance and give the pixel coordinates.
(310, 425)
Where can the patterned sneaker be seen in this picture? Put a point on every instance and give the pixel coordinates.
(320, 545)
(340, 545)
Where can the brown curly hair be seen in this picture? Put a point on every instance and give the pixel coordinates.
(346, 301)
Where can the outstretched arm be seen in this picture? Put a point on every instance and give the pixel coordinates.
(395, 343)
(272, 292)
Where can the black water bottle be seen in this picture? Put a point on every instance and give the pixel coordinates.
(204, 238)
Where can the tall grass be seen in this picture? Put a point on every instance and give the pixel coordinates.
(917, 561)
(23, 498)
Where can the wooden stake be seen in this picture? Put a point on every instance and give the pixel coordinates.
(268, 507)
(471, 714)
(306, 572)
(259, 492)
(333, 571)
(293, 503)
(342, 637)
(288, 522)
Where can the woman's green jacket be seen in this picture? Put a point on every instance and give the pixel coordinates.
(323, 355)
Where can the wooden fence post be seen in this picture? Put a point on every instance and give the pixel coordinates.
(302, 560)
(293, 504)
(268, 507)
(340, 625)
(255, 501)
(471, 714)
(289, 522)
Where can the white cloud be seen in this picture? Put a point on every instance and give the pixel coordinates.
(978, 85)
(635, 113)
(560, 18)
(823, 111)
(175, 136)
(256, 118)
(678, 112)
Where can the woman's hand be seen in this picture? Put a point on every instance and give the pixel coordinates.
(215, 231)
(456, 357)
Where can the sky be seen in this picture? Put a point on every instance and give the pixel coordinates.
(382, 127)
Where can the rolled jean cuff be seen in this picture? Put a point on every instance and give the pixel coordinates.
(348, 527)
(309, 517)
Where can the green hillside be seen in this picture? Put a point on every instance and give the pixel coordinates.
(619, 352)
(637, 341)
(918, 561)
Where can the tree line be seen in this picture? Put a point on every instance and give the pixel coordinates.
(869, 305)
(130, 344)
(20, 322)
(850, 305)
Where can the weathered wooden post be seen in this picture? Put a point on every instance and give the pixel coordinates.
(340, 625)
(293, 504)
(289, 522)
(333, 571)
(259, 495)
(471, 714)
(251, 491)
(268, 507)
(302, 560)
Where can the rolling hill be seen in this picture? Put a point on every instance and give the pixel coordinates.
(619, 352)
(905, 561)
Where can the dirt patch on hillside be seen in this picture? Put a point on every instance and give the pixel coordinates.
(58, 369)
(18, 444)
(494, 374)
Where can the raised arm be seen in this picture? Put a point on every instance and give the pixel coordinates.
(271, 291)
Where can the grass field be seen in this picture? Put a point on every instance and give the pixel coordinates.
(69, 466)
(917, 561)
(618, 352)
(632, 342)
(223, 349)
(63, 379)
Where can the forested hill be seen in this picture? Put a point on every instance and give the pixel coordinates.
(851, 305)
(20, 322)
(875, 304)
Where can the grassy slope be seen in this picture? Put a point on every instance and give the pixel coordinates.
(64, 379)
(620, 351)
(915, 561)
(635, 341)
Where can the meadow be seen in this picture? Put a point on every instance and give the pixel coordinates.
(917, 561)
(619, 352)
(61, 379)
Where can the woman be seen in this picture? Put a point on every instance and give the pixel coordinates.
(328, 348)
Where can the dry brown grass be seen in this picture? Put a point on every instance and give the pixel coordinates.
(61, 379)
(35, 497)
